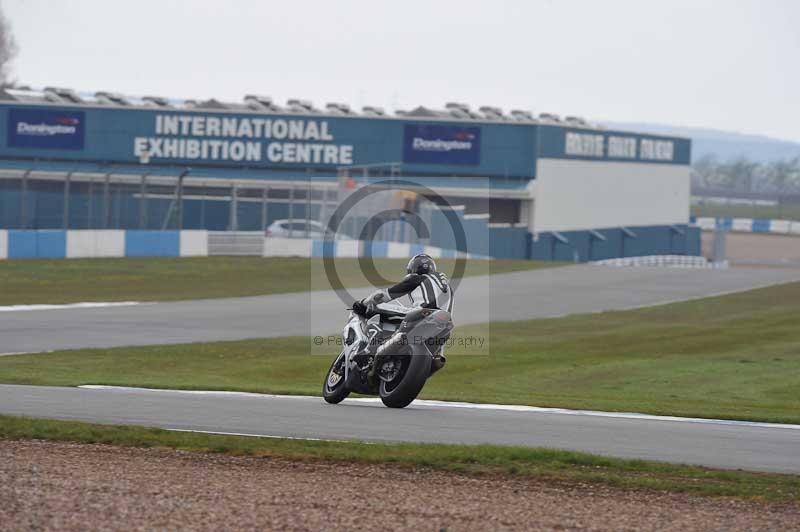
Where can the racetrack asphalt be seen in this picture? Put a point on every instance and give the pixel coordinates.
(748, 446)
(514, 296)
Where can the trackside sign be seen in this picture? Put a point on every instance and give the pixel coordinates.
(243, 139)
(433, 144)
(48, 129)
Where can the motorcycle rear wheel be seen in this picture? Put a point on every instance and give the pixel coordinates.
(400, 395)
(333, 389)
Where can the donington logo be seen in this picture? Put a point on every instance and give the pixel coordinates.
(441, 144)
(64, 126)
(58, 129)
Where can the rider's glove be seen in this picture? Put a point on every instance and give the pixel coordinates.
(359, 308)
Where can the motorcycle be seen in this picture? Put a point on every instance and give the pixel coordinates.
(389, 352)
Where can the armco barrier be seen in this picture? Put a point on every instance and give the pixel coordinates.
(749, 225)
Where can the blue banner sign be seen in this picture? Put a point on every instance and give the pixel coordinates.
(49, 129)
(434, 144)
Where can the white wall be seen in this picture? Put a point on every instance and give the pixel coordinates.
(287, 247)
(576, 195)
(194, 243)
(95, 243)
(3, 244)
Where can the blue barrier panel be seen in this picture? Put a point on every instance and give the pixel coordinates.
(37, 244)
(375, 248)
(477, 233)
(693, 245)
(608, 243)
(51, 244)
(414, 249)
(724, 223)
(677, 240)
(509, 243)
(761, 225)
(21, 244)
(152, 243)
(323, 248)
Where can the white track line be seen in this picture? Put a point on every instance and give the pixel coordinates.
(99, 304)
(472, 406)
(259, 435)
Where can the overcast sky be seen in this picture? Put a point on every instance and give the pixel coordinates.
(723, 64)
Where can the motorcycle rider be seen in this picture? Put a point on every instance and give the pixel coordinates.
(426, 288)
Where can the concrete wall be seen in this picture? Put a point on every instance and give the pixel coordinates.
(577, 195)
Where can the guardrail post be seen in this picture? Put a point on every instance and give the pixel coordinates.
(308, 206)
(143, 202)
(65, 216)
(106, 201)
(23, 206)
(264, 194)
(233, 223)
(291, 210)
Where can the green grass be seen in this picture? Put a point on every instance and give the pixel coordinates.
(163, 279)
(546, 464)
(735, 357)
(782, 212)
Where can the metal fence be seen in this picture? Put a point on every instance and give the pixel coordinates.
(39, 199)
(727, 203)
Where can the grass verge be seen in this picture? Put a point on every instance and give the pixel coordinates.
(729, 357)
(546, 464)
(164, 279)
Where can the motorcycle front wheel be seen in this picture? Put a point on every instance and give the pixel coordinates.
(333, 390)
(400, 391)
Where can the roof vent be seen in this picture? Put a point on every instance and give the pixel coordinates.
(297, 105)
(155, 101)
(493, 113)
(521, 115)
(67, 95)
(111, 98)
(339, 109)
(260, 103)
(576, 120)
(370, 110)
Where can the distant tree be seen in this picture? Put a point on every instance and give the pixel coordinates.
(8, 48)
(740, 174)
(705, 171)
(780, 174)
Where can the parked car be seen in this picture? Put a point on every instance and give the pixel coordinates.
(301, 229)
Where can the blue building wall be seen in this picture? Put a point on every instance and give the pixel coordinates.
(104, 135)
(497, 155)
(108, 135)
(600, 244)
